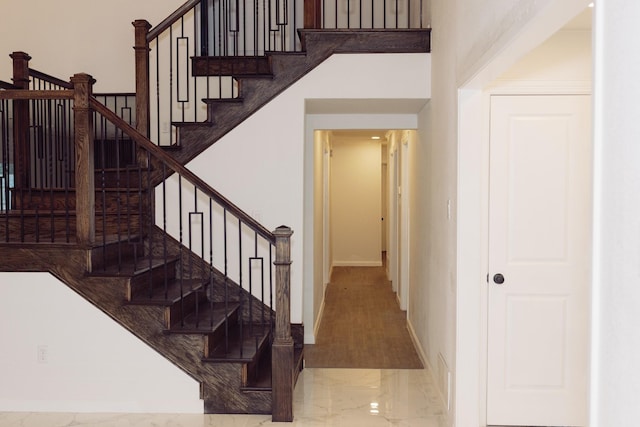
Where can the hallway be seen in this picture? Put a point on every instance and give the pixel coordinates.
(362, 325)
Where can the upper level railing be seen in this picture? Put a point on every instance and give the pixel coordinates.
(217, 29)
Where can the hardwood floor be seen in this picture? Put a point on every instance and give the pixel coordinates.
(362, 325)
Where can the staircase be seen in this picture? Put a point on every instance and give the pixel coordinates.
(108, 226)
(117, 217)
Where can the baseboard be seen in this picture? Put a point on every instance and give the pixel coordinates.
(416, 343)
(425, 361)
(357, 264)
(310, 338)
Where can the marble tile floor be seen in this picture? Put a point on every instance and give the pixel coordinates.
(323, 397)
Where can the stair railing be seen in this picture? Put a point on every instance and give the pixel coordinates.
(214, 239)
(153, 204)
(38, 157)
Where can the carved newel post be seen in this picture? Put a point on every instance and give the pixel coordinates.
(282, 350)
(141, 48)
(21, 121)
(85, 187)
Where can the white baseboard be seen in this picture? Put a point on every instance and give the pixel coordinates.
(425, 361)
(357, 264)
(310, 337)
(416, 342)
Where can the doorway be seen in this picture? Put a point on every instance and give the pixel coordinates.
(363, 236)
(322, 115)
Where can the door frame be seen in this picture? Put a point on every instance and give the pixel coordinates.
(327, 121)
(473, 239)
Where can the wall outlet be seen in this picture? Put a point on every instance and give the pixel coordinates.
(42, 353)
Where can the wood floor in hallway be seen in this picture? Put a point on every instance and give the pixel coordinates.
(362, 325)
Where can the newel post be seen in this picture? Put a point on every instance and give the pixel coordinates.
(141, 48)
(83, 128)
(313, 14)
(282, 349)
(21, 121)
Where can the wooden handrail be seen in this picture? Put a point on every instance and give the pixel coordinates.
(21, 94)
(177, 167)
(50, 79)
(6, 85)
(171, 19)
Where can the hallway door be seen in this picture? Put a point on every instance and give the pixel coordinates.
(539, 258)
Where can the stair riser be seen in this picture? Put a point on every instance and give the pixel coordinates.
(179, 310)
(214, 339)
(59, 226)
(112, 253)
(230, 66)
(153, 280)
(59, 200)
(112, 178)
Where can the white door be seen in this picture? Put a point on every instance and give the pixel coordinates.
(539, 258)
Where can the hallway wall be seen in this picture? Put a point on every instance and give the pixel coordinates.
(615, 340)
(355, 202)
(476, 41)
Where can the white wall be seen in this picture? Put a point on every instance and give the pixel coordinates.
(92, 363)
(66, 37)
(616, 342)
(356, 202)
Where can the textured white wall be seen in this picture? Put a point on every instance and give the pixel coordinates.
(616, 341)
(92, 363)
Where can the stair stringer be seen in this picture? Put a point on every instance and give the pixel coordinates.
(220, 382)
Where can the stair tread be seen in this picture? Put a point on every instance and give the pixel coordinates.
(223, 100)
(175, 290)
(192, 124)
(130, 267)
(208, 318)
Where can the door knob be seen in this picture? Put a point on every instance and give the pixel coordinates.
(498, 278)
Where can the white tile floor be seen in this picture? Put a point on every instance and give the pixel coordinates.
(323, 397)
